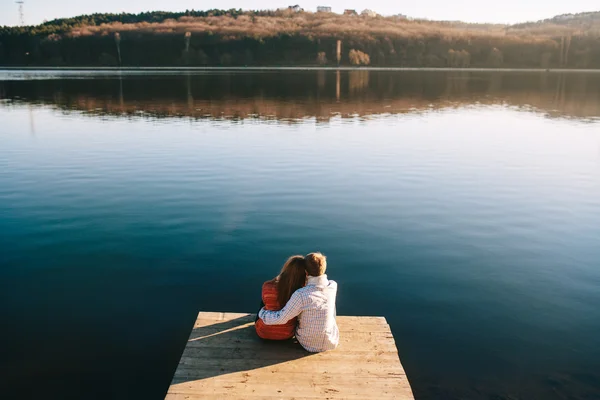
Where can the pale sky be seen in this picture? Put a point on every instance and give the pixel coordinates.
(507, 11)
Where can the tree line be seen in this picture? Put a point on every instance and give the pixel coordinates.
(237, 38)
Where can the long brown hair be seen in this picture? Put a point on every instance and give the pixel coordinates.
(291, 278)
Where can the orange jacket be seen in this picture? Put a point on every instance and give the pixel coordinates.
(274, 332)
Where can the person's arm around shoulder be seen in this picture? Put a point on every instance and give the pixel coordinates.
(292, 309)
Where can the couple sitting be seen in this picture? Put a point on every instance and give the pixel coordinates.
(300, 301)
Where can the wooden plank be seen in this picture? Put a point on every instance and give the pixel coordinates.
(289, 388)
(370, 345)
(214, 353)
(284, 377)
(388, 366)
(269, 387)
(225, 359)
(232, 396)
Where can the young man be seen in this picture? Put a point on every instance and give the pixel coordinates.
(314, 305)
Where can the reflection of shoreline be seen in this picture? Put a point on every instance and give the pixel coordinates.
(321, 95)
(289, 113)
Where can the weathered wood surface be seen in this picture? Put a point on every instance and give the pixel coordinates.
(225, 359)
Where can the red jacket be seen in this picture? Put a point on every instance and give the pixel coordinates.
(274, 332)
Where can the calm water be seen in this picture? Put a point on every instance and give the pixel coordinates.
(463, 207)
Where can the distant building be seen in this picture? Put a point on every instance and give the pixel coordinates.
(400, 16)
(295, 8)
(323, 9)
(368, 13)
(350, 12)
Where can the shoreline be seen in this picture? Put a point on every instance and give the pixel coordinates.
(307, 68)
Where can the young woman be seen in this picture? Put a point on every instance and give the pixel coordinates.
(275, 295)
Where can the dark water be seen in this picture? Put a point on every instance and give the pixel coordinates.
(463, 207)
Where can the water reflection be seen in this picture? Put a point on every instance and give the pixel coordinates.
(297, 95)
(480, 225)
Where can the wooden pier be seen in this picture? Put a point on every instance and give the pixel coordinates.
(225, 359)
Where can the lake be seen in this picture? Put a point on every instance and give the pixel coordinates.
(462, 206)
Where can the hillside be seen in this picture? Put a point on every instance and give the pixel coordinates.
(237, 37)
(580, 21)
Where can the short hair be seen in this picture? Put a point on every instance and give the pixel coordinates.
(316, 264)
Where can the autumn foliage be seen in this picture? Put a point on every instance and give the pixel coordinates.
(357, 57)
(237, 37)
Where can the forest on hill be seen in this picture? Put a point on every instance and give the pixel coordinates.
(289, 38)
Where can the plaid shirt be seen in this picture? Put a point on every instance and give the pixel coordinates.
(314, 305)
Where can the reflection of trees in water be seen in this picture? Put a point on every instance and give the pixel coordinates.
(576, 94)
(581, 84)
(337, 84)
(457, 84)
(298, 95)
(559, 97)
(495, 83)
(544, 82)
(358, 81)
(321, 79)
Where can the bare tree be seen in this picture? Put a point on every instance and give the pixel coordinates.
(186, 52)
(118, 43)
(188, 36)
(567, 46)
(562, 52)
